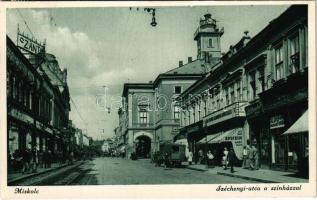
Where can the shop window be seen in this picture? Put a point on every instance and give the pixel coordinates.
(279, 64)
(294, 54)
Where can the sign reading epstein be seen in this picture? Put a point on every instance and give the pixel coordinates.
(29, 45)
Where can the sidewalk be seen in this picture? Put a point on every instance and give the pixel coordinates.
(17, 177)
(261, 175)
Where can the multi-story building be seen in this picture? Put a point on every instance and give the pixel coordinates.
(254, 96)
(150, 114)
(37, 107)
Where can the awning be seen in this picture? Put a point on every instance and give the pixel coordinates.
(234, 136)
(208, 138)
(122, 148)
(220, 138)
(300, 126)
(182, 141)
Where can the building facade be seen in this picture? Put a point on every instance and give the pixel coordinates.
(37, 109)
(255, 96)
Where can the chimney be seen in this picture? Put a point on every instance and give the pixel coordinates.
(246, 37)
(190, 59)
(180, 64)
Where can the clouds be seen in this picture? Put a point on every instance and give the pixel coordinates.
(111, 46)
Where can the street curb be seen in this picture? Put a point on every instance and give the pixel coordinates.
(246, 177)
(196, 169)
(12, 182)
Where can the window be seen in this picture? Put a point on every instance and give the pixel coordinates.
(210, 42)
(177, 89)
(199, 112)
(261, 79)
(205, 108)
(20, 92)
(176, 111)
(143, 116)
(227, 96)
(252, 86)
(279, 63)
(31, 100)
(239, 90)
(232, 97)
(294, 54)
(194, 114)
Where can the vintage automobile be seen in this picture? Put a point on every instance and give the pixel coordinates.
(172, 154)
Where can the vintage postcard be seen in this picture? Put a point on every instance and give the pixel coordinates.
(160, 99)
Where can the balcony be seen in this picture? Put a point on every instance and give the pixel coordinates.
(142, 126)
(168, 122)
(231, 111)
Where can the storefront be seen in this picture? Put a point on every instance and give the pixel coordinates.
(277, 111)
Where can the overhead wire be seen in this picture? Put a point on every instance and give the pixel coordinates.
(26, 24)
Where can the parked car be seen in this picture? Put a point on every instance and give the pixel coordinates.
(176, 155)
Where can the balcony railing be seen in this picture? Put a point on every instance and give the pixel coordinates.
(168, 122)
(233, 110)
(142, 125)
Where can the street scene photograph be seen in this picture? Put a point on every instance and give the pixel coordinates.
(157, 95)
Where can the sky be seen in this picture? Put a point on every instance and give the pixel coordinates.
(111, 46)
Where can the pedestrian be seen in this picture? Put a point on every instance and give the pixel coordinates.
(166, 160)
(200, 156)
(251, 158)
(190, 157)
(245, 157)
(225, 159)
(34, 160)
(256, 158)
(49, 158)
(231, 157)
(210, 158)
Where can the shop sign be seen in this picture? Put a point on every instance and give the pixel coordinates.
(234, 110)
(28, 44)
(21, 116)
(236, 137)
(276, 122)
(42, 127)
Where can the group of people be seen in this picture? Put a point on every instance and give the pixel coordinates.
(250, 158)
(209, 158)
(29, 160)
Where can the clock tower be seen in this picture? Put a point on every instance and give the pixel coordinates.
(208, 36)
